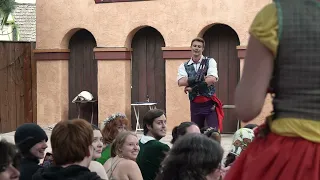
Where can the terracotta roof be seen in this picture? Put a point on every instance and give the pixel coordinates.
(25, 19)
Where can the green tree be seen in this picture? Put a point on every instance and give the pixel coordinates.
(6, 7)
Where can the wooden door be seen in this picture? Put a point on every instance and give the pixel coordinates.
(18, 85)
(83, 74)
(148, 70)
(221, 42)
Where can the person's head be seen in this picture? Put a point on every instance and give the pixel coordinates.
(113, 125)
(71, 142)
(241, 139)
(31, 140)
(9, 161)
(184, 128)
(251, 126)
(97, 142)
(197, 47)
(212, 133)
(194, 157)
(126, 145)
(155, 124)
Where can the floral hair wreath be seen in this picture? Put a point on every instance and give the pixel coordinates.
(113, 117)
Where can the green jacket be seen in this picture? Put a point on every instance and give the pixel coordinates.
(150, 157)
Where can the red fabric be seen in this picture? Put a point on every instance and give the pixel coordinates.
(219, 111)
(201, 99)
(277, 157)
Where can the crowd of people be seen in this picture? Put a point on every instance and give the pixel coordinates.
(81, 150)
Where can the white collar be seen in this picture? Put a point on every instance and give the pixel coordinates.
(191, 61)
(144, 139)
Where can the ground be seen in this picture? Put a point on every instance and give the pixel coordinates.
(226, 139)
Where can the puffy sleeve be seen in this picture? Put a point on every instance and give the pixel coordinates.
(265, 27)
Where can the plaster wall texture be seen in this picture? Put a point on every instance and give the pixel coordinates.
(52, 92)
(114, 25)
(178, 105)
(114, 91)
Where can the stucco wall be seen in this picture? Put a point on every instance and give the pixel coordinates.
(52, 91)
(114, 25)
(176, 100)
(178, 21)
(114, 87)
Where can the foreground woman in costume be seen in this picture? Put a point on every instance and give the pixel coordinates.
(284, 47)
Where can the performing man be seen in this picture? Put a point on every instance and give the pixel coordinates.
(198, 75)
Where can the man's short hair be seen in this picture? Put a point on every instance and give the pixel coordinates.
(70, 141)
(199, 39)
(149, 118)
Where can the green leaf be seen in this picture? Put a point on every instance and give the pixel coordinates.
(6, 7)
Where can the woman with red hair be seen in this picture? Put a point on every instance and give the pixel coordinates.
(113, 125)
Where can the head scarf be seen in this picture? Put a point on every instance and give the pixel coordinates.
(241, 139)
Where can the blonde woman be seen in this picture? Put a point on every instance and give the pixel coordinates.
(124, 151)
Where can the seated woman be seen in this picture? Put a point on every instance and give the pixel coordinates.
(241, 139)
(124, 151)
(97, 149)
(184, 128)
(112, 126)
(192, 157)
(212, 133)
(9, 161)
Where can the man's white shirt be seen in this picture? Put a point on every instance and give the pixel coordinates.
(212, 70)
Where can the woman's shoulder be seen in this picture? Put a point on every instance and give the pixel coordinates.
(265, 27)
(108, 163)
(126, 163)
(131, 169)
(95, 164)
(98, 168)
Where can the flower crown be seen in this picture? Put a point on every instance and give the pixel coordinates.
(113, 117)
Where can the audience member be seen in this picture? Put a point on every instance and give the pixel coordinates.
(124, 151)
(72, 150)
(31, 140)
(152, 151)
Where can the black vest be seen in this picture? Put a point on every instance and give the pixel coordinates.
(202, 90)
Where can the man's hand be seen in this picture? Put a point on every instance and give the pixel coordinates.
(187, 89)
(210, 80)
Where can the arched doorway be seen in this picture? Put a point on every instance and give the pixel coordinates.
(148, 70)
(83, 75)
(221, 41)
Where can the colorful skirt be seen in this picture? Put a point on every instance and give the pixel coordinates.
(277, 157)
